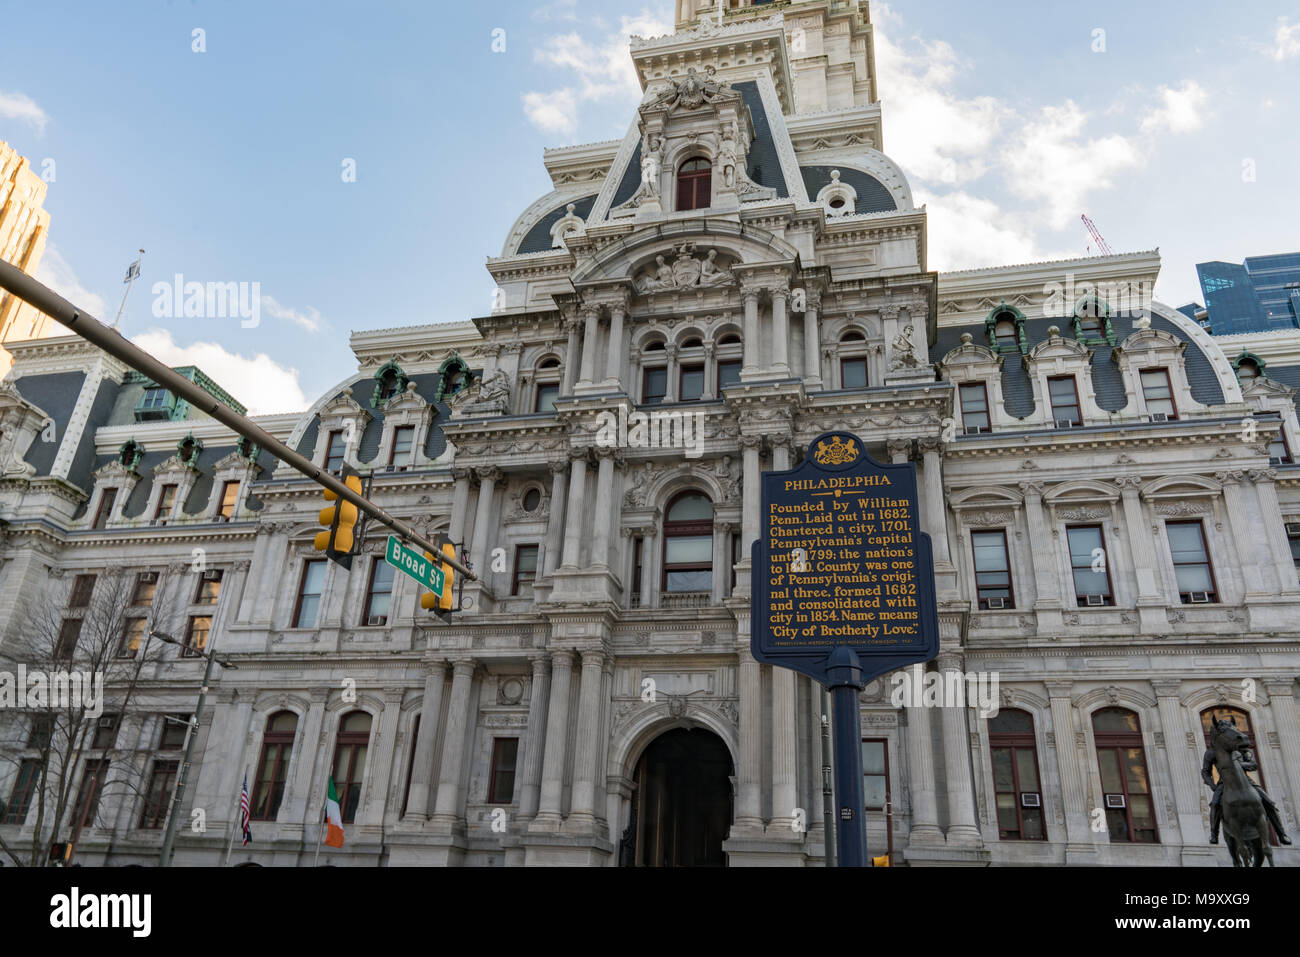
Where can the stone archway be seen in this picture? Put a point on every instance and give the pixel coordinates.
(682, 805)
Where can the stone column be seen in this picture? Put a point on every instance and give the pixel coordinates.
(571, 356)
(483, 523)
(784, 767)
(1286, 718)
(934, 511)
(649, 568)
(555, 527)
(674, 376)
(600, 527)
(1241, 529)
(721, 563)
(614, 357)
(251, 595)
(277, 558)
(447, 809)
(589, 340)
(812, 341)
(381, 761)
(1046, 573)
(1271, 513)
(752, 492)
(710, 373)
(1074, 794)
(575, 510)
(535, 743)
(780, 332)
(920, 769)
(582, 817)
(900, 451)
(1139, 539)
(310, 747)
(962, 826)
(750, 365)
(417, 799)
(749, 804)
(557, 733)
(459, 505)
(1182, 765)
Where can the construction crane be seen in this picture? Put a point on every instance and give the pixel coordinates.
(1096, 236)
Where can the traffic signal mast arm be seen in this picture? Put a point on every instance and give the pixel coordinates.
(111, 341)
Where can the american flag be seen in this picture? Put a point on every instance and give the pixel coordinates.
(243, 812)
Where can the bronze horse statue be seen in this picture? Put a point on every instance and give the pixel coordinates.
(1245, 824)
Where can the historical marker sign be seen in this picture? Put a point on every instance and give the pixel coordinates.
(841, 562)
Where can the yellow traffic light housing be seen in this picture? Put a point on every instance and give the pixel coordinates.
(340, 521)
(440, 603)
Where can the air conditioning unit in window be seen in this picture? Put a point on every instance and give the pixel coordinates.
(107, 722)
(1276, 462)
(1095, 601)
(1115, 801)
(1068, 424)
(973, 430)
(377, 620)
(389, 468)
(149, 577)
(212, 575)
(1159, 416)
(1293, 528)
(1199, 598)
(1030, 800)
(996, 604)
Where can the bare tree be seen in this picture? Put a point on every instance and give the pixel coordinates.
(99, 632)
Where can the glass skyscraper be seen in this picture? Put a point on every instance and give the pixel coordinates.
(1260, 295)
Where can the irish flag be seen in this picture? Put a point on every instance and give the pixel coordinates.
(333, 818)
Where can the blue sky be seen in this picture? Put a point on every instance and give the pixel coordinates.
(226, 165)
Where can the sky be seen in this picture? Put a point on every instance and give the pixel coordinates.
(354, 170)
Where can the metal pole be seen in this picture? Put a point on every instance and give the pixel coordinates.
(828, 794)
(129, 283)
(111, 341)
(178, 792)
(845, 683)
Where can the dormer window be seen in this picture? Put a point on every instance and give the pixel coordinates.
(695, 185)
(1005, 329)
(1005, 332)
(130, 454)
(1092, 323)
(390, 381)
(156, 404)
(1247, 371)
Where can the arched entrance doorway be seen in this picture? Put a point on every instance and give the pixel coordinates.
(681, 810)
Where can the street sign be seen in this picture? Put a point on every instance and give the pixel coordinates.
(843, 590)
(841, 562)
(428, 573)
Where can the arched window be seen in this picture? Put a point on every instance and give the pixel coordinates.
(1247, 371)
(1089, 316)
(1016, 782)
(688, 544)
(548, 384)
(350, 761)
(273, 765)
(1125, 782)
(390, 381)
(1005, 331)
(690, 370)
(853, 360)
(654, 372)
(729, 355)
(695, 185)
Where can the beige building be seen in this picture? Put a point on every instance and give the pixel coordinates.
(24, 226)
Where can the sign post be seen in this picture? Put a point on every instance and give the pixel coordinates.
(843, 591)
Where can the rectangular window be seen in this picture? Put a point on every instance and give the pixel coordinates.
(975, 408)
(525, 568)
(1192, 566)
(209, 587)
(853, 373)
(196, 635)
(105, 732)
(638, 547)
(654, 386)
(166, 498)
(162, 781)
(688, 563)
(1279, 453)
(105, 510)
(379, 594)
(1088, 561)
(1065, 400)
(146, 586)
(1293, 536)
(92, 783)
(172, 735)
(501, 786)
(38, 739)
(133, 631)
(229, 499)
(546, 396)
(992, 570)
(729, 373)
(875, 774)
(154, 399)
(692, 383)
(69, 635)
(335, 448)
(403, 440)
(1159, 393)
(310, 587)
(82, 588)
(20, 797)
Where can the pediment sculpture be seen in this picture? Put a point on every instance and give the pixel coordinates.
(685, 272)
(693, 91)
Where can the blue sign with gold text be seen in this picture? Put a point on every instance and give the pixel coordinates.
(841, 561)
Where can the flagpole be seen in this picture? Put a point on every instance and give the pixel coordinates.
(129, 283)
(230, 846)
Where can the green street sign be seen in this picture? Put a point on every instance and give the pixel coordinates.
(427, 573)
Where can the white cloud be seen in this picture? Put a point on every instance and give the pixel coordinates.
(600, 69)
(1286, 41)
(55, 272)
(970, 232)
(1182, 111)
(309, 320)
(259, 382)
(20, 106)
(557, 10)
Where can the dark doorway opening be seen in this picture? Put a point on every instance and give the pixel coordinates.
(682, 809)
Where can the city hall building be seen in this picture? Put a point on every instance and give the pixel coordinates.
(1111, 493)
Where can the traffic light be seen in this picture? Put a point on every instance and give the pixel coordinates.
(340, 522)
(880, 861)
(440, 602)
